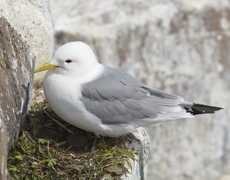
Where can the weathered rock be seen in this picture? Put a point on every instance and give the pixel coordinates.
(3, 150)
(179, 46)
(16, 77)
(140, 142)
(32, 19)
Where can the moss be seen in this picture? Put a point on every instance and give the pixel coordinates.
(37, 154)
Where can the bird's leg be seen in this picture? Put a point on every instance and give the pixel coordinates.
(117, 138)
(94, 143)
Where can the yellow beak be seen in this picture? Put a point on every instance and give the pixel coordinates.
(45, 67)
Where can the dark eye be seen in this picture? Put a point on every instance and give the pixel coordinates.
(68, 61)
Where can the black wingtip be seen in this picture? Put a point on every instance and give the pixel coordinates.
(202, 109)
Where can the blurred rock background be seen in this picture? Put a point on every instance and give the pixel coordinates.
(179, 46)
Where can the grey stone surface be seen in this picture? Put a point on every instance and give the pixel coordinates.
(179, 46)
(140, 142)
(16, 77)
(3, 149)
(32, 20)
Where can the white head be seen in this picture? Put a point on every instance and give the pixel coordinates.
(72, 59)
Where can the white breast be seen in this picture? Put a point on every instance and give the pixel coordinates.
(64, 99)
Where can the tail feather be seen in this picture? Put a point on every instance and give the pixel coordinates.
(202, 109)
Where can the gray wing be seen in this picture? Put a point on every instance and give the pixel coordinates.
(118, 98)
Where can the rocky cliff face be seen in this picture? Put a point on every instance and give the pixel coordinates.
(17, 64)
(16, 77)
(33, 21)
(179, 46)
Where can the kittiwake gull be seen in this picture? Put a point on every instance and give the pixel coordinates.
(104, 100)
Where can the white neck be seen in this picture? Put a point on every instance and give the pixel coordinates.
(90, 75)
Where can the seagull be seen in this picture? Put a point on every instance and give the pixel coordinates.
(107, 101)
